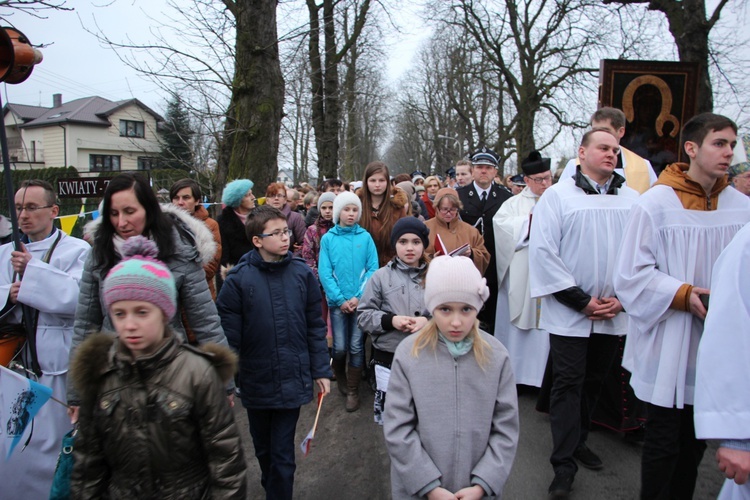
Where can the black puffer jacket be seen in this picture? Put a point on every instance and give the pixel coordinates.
(157, 426)
(233, 238)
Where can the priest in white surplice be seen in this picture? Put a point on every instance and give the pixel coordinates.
(674, 236)
(575, 234)
(50, 266)
(527, 344)
(722, 382)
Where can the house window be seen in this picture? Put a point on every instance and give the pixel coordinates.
(104, 163)
(148, 162)
(130, 128)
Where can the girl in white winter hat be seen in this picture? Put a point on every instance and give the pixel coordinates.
(451, 420)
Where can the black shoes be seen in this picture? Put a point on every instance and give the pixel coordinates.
(588, 458)
(561, 486)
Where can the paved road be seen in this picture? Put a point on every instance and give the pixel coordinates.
(349, 459)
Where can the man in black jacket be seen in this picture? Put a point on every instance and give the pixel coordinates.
(481, 199)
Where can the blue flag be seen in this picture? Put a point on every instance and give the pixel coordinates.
(20, 400)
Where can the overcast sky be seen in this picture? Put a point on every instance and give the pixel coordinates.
(76, 65)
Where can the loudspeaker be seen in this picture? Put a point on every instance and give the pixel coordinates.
(17, 56)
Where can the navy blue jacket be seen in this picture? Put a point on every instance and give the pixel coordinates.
(271, 314)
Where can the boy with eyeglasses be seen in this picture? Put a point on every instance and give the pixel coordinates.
(347, 259)
(270, 311)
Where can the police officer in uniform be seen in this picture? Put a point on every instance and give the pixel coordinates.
(481, 199)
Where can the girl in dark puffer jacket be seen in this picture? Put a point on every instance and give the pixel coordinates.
(154, 419)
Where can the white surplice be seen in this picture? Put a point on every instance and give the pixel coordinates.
(574, 241)
(51, 288)
(722, 386)
(665, 246)
(518, 328)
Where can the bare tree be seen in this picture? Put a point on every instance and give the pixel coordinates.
(296, 127)
(250, 143)
(36, 8)
(324, 72)
(363, 95)
(538, 47)
(222, 57)
(691, 28)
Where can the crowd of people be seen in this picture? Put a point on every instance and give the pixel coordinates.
(591, 283)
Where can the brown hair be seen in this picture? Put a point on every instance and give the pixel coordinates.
(586, 139)
(385, 210)
(614, 116)
(49, 191)
(699, 126)
(258, 218)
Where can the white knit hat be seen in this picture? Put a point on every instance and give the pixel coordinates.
(454, 279)
(342, 200)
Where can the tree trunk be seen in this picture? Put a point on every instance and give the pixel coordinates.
(690, 30)
(251, 135)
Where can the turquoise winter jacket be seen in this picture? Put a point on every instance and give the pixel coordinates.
(347, 260)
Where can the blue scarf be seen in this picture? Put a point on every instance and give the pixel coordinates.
(457, 349)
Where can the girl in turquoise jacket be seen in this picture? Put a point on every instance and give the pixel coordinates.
(347, 260)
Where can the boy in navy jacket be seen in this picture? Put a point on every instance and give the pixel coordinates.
(270, 310)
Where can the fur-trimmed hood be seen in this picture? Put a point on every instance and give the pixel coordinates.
(198, 235)
(95, 357)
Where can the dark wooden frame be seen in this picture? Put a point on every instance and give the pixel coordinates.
(674, 81)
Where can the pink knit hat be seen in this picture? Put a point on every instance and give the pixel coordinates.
(454, 279)
(141, 276)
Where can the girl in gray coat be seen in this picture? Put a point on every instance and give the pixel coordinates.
(392, 306)
(451, 422)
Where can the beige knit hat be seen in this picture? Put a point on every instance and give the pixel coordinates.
(454, 279)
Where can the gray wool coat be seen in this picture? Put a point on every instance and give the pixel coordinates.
(393, 290)
(450, 422)
(194, 246)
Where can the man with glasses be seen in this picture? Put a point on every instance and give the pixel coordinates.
(576, 231)
(527, 344)
(39, 290)
(637, 171)
(481, 199)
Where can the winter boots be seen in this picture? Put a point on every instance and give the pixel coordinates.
(339, 369)
(353, 378)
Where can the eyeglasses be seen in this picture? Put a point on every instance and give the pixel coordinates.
(277, 234)
(31, 208)
(452, 210)
(541, 180)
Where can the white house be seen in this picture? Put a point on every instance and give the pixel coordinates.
(91, 134)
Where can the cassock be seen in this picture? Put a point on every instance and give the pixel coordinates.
(663, 247)
(527, 344)
(52, 289)
(629, 164)
(574, 241)
(722, 388)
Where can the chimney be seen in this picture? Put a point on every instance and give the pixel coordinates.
(56, 100)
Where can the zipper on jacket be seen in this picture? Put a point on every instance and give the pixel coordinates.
(456, 416)
(708, 202)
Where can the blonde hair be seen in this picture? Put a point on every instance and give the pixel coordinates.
(428, 338)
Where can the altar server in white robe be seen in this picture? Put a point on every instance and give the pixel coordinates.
(674, 236)
(527, 344)
(43, 277)
(722, 382)
(575, 233)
